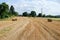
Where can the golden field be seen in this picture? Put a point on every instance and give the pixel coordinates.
(29, 28)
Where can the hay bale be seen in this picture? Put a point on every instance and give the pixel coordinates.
(49, 20)
(14, 19)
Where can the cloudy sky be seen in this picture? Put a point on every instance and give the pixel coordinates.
(51, 7)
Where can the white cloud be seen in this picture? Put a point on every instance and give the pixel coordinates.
(49, 7)
(52, 7)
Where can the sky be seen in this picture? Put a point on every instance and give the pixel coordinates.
(49, 7)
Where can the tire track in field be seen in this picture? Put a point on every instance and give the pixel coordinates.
(54, 24)
(16, 27)
(27, 32)
(44, 32)
(36, 34)
(54, 32)
(50, 30)
(53, 27)
(18, 31)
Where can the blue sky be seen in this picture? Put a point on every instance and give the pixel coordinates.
(51, 7)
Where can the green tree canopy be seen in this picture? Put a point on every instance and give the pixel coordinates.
(5, 12)
(43, 15)
(12, 10)
(40, 15)
(33, 13)
(25, 14)
(4, 8)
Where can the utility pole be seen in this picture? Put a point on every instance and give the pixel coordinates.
(41, 10)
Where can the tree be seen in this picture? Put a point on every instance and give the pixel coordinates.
(43, 15)
(16, 13)
(40, 15)
(12, 11)
(5, 12)
(25, 14)
(33, 13)
(1, 8)
(4, 8)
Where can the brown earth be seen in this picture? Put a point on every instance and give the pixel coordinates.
(28, 28)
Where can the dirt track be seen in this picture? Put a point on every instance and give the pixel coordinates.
(30, 29)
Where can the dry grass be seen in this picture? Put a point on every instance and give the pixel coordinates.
(4, 31)
(29, 28)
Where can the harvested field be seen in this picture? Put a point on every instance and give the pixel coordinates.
(29, 28)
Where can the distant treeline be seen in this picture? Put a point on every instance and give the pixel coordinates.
(51, 16)
(33, 14)
(6, 12)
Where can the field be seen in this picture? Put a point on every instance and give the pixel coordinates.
(57, 19)
(29, 28)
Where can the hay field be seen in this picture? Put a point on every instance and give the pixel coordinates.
(29, 28)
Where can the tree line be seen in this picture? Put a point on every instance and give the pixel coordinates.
(33, 14)
(6, 12)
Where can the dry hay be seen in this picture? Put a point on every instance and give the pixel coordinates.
(49, 20)
(14, 19)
